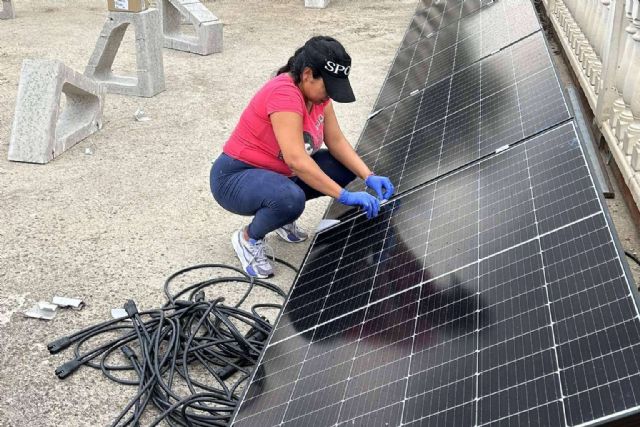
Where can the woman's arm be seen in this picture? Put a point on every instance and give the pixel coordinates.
(288, 130)
(338, 145)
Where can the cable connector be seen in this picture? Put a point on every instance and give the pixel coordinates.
(128, 352)
(66, 369)
(199, 296)
(58, 345)
(130, 308)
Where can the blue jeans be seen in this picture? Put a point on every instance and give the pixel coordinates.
(273, 199)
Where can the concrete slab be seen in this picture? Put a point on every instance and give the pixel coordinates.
(7, 11)
(149, 78)
(317, 4)
(41, 129)
(207, 26)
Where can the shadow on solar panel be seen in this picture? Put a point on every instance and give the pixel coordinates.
(493, 296)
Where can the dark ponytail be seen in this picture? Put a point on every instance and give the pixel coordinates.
(297, 63)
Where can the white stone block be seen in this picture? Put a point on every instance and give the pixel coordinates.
(40, 130)
(207, 26)
(7, 11)
(149, 78)
(318, 4)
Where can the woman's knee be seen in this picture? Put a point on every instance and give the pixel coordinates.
(345, 176)
(291, 201)
(215, 183)
(333, 168)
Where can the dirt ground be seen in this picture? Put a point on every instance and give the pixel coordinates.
(115, 215)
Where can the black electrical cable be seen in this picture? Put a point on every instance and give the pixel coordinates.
(187, 358)
(633, 257)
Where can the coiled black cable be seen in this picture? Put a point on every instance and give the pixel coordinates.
(187, 358)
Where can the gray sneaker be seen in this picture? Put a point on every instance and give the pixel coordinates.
(252, 255)
(292, 233)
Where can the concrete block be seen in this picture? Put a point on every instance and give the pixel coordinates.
(41, 131)
(149, 78)
(318, 4)
(207, 26)
(7, 11)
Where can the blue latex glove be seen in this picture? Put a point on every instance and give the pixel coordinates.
(377, 183)
(361, 199)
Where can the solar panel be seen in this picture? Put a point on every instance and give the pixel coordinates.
(430, 16)
(454, 44)
(495, 295)
(502, 99)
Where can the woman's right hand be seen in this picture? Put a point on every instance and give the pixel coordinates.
(361, 199)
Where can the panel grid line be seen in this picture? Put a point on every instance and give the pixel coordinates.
(415, 326)
(499, 343)
(528, 355)
(627, 281)
(452, 271)
(608, 226)
(366, 310)
(478, 302)
(466, 106)
(546, 290)
(517, 413)
(428, 85)
(309, 345)
(471, 164)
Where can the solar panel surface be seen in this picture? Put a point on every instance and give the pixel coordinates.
(454, 44)
(500, 100)
(493, 296)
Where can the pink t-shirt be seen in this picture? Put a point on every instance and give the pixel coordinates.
(253, 140)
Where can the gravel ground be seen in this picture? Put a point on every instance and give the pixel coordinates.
(113, 216)
(113, 224)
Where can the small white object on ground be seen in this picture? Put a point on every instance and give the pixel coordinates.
(64, 302)
(140, 116)
(119, 313)
(326, 223)
(42, 310)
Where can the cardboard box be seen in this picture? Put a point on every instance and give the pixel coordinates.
(127, 5)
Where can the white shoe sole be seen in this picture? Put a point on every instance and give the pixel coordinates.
(283, 235)
(239, 253)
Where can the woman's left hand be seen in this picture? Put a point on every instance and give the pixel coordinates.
(377, 183)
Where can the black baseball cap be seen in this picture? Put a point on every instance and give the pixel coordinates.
(328, 56)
